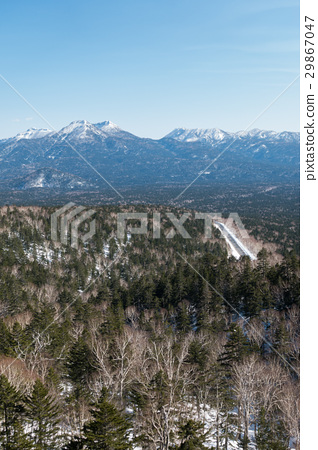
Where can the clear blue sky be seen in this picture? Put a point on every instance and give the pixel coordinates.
(149, 65)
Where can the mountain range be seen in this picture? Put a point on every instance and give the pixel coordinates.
(81, 155)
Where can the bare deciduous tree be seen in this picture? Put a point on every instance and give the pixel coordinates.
(290, 407)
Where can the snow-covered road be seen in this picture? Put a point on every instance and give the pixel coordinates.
(238, 249)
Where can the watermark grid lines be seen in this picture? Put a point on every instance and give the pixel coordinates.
(235, 139)
(75, 225)
(93, 168)
(238, 313)
(178, 196)
(66, 309)
(66, 218)
(65, 140)
(84, 159)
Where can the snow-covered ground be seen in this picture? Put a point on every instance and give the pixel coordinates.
(237, 247)
(208, 417)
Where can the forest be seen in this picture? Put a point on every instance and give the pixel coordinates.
(145, 343)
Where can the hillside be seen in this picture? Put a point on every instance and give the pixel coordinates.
(187, 342)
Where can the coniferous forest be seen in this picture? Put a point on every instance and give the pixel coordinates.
(142, 343)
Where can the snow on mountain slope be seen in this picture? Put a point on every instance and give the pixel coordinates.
(255, 133)
(83, 130)
(108, 127)
(79, 129)
(121, 157)
(33, 133)
(199, 134)
(215, 135)
(50, 178)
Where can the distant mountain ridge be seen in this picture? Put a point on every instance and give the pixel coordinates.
(47, 178)
(79, 127)
(125, 159)
(212, 135)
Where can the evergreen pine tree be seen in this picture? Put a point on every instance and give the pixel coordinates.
(76, 443)
(20, 338)
(223, 403)
(179, 285)
(270, 434)
(192, 436)
(80, 362)
(6, 341)
(167, 293)
(198, 354)
(262, 258)
(43, 413)
(12, 435)
(204, 306)
(109, 428)
(236, 347)
(281, 339)
(183, 319)
(244, 441)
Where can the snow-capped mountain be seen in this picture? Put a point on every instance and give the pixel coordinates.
(82, 149)
(108, 127)
(33, 133)
(112, 130)
(79, 129)
(215, 135)
(85, 131)
(199, 134)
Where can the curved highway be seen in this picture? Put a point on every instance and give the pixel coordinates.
(238, 249)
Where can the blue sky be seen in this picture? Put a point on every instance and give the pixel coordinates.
(148, 65)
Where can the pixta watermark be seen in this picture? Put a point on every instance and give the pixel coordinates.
(70, 217)
(177, 224)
